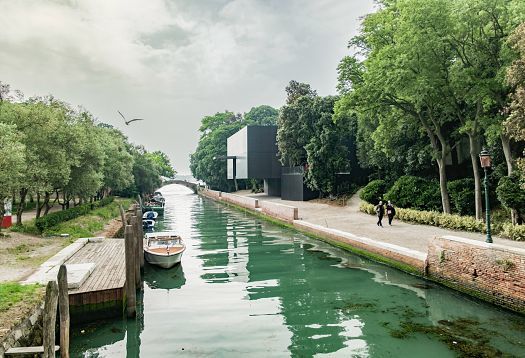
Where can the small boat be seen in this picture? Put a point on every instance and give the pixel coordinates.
(153, 206)
(148, 224)
(163, 249)
(152, 215)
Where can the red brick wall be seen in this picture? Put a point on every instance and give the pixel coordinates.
(493, 272)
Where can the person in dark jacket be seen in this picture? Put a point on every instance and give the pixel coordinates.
(380, 211)
(390, 212)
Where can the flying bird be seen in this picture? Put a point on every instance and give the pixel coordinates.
(131, 120)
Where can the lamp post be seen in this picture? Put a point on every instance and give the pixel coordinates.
(234, 157)
(486, 162)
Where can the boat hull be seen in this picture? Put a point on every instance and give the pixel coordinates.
(165, 261)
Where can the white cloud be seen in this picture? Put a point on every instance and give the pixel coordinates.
(173, 61)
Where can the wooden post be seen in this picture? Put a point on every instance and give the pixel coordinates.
(63, 304)
(122, 216)
(140, 235)
(140, 203)
(50, 316)
(136, 263)
(131, 298)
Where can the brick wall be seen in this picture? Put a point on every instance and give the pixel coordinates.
(492, 272)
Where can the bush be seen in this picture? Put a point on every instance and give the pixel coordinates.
(514, 232)
(434, 218)
(510, 193)
(415, 192)
(462, 196)
(373, 191)
(57, 217)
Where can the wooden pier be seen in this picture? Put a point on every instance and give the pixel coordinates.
(103, 274)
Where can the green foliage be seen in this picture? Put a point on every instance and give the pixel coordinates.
(511, 194)
(462, 196)
(513, 232)
(414, 192)
(162, 163)
(57, 217)
(373, 191)
(262, 115)
(433, 218)
(12, 293)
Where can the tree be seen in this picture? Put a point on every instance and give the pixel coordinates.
(403, 72)
(515, 124)
(163, 164)
(206, 163)
(147, 178)
(12, 162)
(262, 115)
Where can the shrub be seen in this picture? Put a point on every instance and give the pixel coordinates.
(462, 196)
(510, 193)
(57, 217)
(514, 232)
(415, 192)
(434, 218)
(373, 191)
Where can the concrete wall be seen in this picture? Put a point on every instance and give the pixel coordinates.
(243, 201)
(492, 272)
(211, 193)
(28, 332)
(279, 211)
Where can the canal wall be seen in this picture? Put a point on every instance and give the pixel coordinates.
(26, 333)
(492, 272)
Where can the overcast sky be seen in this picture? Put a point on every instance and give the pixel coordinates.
(173, 61)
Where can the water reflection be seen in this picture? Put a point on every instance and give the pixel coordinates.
(249, 288)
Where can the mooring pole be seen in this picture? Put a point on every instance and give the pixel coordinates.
(50, 315)
(131, 293)
(140, 236)
(63, 305)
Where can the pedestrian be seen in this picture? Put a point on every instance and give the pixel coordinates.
(390, 212)
(380, 211)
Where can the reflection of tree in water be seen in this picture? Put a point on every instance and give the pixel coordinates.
(307, 294)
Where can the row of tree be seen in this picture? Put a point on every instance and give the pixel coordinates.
(427, 78)
(53, 153)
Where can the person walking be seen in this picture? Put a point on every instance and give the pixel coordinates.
(380, 211)
(390, 212)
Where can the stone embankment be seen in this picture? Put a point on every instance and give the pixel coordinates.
(492, 272)
(27, 332)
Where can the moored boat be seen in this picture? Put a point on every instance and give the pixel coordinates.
(163, 249)
(151, 215)
(148, 224)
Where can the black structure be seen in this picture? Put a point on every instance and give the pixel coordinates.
(255, 151)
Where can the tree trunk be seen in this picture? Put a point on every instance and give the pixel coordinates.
(46, 202)
(38, 207)
(505, 143)
(474, 151)
(445, 199)
(21, 206)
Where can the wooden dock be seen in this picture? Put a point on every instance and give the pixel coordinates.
(103, 274)
(102, 293)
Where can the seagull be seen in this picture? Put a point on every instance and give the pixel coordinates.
(131, 120)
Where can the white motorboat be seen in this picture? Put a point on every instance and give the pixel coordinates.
(148, 224)
(163, 249)
(150, 215)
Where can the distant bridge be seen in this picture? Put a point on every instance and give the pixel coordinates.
(187, 184)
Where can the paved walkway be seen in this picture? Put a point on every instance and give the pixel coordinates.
(349, 219)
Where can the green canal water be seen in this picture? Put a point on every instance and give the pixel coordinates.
(248, 288)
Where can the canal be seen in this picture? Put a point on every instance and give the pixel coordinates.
(248, 288)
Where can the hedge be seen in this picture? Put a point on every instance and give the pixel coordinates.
(434, 218)
(415, 192)
(514, 232)
(57, 217)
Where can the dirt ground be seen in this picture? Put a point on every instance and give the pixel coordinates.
(21, 254)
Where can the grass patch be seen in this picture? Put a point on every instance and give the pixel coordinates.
(26, 228)
(11, 293)
(88, 225)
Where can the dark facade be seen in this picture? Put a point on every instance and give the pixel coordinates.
(253, 151)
